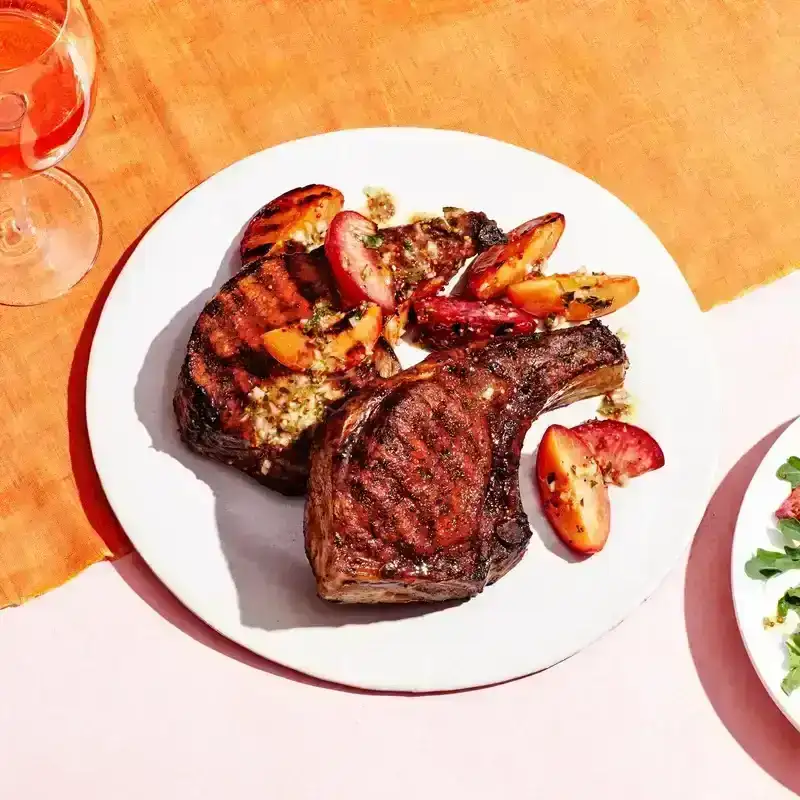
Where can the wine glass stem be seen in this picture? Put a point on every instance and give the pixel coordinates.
(19, 224)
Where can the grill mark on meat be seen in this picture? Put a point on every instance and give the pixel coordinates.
(435, 460)
(283, 303)
(225, 361)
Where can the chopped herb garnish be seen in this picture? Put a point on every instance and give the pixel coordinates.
(408, 245)
(320, 318)
(595, 303)
(373, 242)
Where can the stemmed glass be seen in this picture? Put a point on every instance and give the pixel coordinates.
(49, 224)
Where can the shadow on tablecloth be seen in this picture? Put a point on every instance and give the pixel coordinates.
(140, 578)
(725, 671)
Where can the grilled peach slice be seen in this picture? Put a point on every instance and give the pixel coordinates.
(351, 250)
(622, 451)
(444, 322)
(297, 219)
(397, 323)
(291, 347)
(497, 268)
(345, 345)
(575, 297)
(573, 494)
(350, 347)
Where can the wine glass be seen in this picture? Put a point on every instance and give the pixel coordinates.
(49, 225)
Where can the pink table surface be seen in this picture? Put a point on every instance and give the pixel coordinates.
(110, 689)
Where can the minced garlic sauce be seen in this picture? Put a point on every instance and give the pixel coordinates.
(619, 404)
(312, 234)
(381, 206)
(287, 406)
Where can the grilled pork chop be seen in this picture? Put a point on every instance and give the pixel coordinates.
(234, 403)
(414, 488)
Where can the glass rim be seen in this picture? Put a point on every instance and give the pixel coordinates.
(62, 28)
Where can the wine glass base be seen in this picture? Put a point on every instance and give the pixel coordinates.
(46, 258)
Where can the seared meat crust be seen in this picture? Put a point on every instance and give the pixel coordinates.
(414, 489)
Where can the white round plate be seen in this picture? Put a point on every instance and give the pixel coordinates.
(754, 600)
(232, 551)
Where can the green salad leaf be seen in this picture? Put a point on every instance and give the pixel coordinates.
(792, 679)
(789, 601)
(790, 471)
(766, 564)
(790, 528)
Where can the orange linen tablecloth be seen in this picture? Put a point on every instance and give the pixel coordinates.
(686, 109)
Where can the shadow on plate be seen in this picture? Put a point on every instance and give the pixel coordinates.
(725, 671)
(90, 491)
(260, 538)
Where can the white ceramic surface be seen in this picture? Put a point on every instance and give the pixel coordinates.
(232, 551)
(754, 600)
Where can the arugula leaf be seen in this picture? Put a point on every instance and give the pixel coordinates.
(792, 679)
(766, 564)
(790, 471)
(789, 601)
(790, 528)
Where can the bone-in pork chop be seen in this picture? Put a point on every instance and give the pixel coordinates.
(414, 487)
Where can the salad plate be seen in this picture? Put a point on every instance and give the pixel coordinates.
(764, 572)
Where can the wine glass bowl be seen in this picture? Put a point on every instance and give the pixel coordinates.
(49, 225)
(13, 107)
